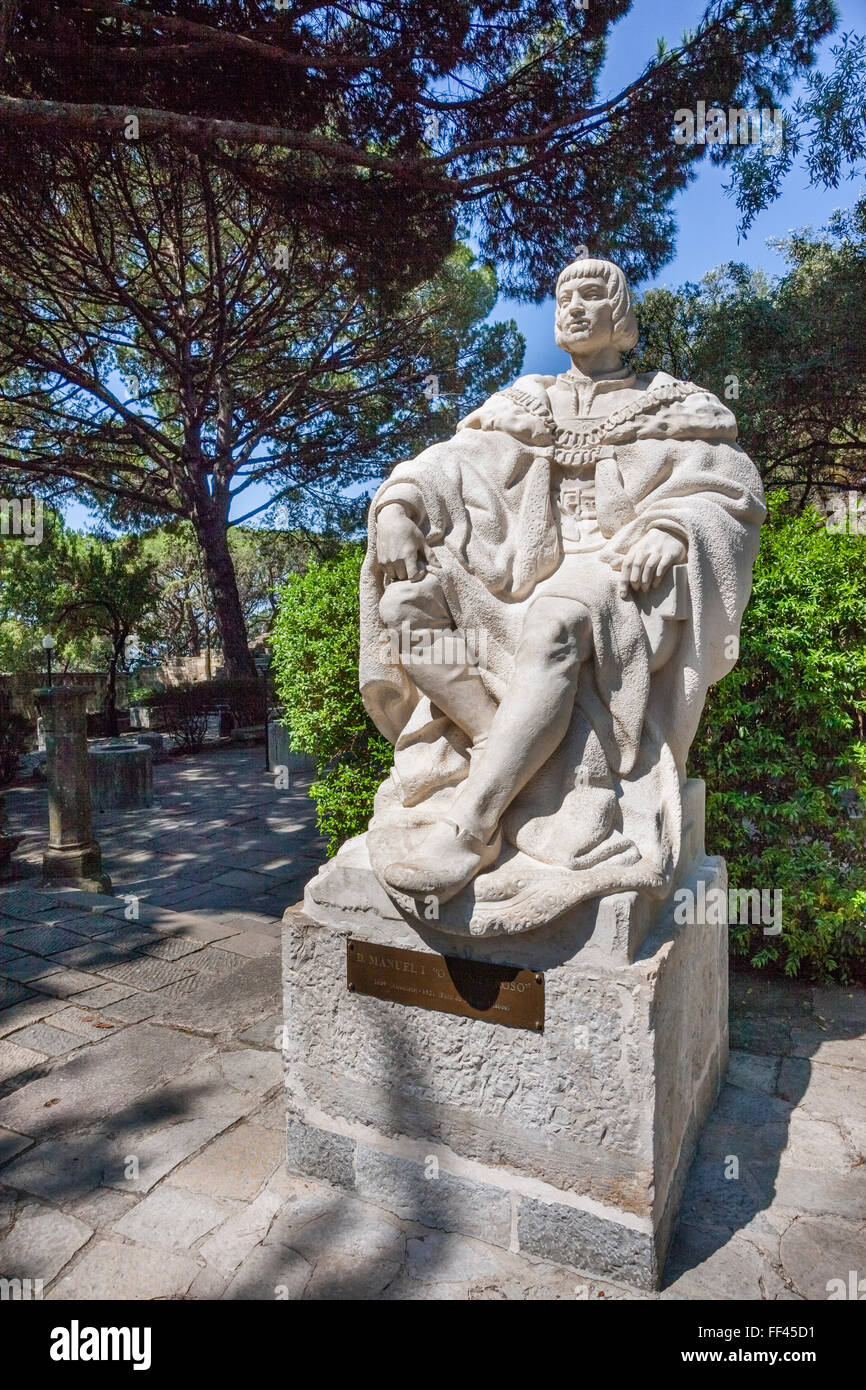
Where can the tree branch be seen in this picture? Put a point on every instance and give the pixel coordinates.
(221, 38)
(26, 113)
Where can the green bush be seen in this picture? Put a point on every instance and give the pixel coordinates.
(782, 750)
(315, 665)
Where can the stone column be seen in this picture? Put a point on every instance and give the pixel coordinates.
(73, 856)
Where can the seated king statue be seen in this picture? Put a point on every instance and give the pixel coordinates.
(545, 601)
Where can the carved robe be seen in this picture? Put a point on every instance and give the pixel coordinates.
(605, 811)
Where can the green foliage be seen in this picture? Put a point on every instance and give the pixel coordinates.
(283, 369)
(780, 744)
(103, 588)
(397, 120)
(89, 591)
(782, 741)
(315, 665)
(28, 576)
(344, 794)
(262, 558)
(784, 354)
(781, 747)
(824, 127)
(19, 645)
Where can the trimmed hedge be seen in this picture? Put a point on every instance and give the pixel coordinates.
(315, 644)
(781, 747)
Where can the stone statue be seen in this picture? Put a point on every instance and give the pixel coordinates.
(545, 601)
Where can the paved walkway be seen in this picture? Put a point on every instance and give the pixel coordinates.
(220, 837)
(141, 1114)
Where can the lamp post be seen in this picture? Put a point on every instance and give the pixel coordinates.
(48, 645)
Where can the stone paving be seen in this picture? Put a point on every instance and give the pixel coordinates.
(219, 837)
(141, 1115)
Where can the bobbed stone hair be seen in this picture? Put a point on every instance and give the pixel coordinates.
(591, 268)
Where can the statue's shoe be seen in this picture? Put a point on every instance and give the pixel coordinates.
(448, 858)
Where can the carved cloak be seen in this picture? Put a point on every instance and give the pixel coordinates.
(611, 794)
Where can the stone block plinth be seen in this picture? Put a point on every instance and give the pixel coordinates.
(573, 1143)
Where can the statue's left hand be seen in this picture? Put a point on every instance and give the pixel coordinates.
(645, 565)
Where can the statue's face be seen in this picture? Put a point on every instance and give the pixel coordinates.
(584, 316)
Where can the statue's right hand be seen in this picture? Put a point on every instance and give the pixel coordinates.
(399, 544)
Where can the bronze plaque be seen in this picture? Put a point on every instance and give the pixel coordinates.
(471, 988)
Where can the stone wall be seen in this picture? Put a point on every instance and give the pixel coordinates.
(20, 685)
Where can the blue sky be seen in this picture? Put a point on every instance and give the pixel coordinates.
(706, 216)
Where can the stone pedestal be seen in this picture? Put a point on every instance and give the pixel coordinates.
(121, 775)
(73, 857)
(572, 1144)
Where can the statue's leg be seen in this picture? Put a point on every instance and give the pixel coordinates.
(417, 614)
(534, 715)
(527, 728)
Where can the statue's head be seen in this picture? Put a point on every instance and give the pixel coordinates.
(593, 308)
